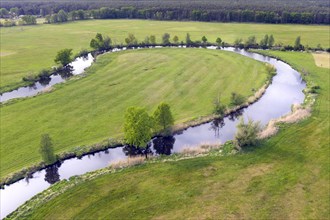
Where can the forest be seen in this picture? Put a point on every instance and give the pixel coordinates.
(275, 11)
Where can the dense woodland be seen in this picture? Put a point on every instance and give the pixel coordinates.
(261, 11)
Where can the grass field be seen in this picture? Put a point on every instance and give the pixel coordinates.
(28, 49)
(322, 59)
(91, 109)
(287, 177)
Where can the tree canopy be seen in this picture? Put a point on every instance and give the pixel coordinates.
(64, 57)
(137, 127)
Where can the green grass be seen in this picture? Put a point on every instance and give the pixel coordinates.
(28, 49)
(91, 109)
(287, 177)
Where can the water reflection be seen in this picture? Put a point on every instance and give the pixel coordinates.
(163, 145)
(132, 151)
(216, 125)
(235, 115)
(52, 176)
(66, 72)
(45, 80)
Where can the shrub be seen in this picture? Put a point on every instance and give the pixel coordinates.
(218, 108)
(246, 134)
(236, 99)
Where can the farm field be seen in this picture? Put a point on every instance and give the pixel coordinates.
(91, 109)
(28, 49)
(286, 177)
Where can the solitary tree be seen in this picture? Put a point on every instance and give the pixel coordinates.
(219, 108)
(247, 133)
(188, 40)
(63, 57)
(131, 39)
(137, 127)
(152, 39)
(46, 149)
(297, 44)
(204, 39)
(218, 41)
(163, 118)
(175, 39)
(100, 42)
(271, 41)
(166, 38)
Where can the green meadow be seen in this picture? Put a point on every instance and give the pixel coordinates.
(286, 177)
(91, 109)
(28, 49)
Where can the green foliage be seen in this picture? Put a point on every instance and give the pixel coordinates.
(175, 39)
(131, 40)
(204, 39)
(63, 57)
(219, 108)
(218, 41)
(166, 38)
(271, 41)
(137, 127)
(297, 44)
(46, 149)
(100, 43)
(163, 118)
(236, 99)
(246, 134)
(188, 39)
(152, 39)
(29, 19)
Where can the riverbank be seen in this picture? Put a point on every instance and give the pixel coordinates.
(93, 113)
(288, 172)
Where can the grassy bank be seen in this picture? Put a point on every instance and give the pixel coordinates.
(287, 177)
(28, 49)
(91, 109)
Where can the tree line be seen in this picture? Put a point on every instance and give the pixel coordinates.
(225, 12)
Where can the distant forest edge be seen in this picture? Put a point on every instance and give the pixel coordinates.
(260, 11)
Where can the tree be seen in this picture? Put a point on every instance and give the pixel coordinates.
(246, 134)
(175, 39)
(63, 57)
(147, 40)
(297, 44)
(166, 38)
(271, 41)
(152, 39)
(62, 16)
(3, 12)
(163, 118)
(100, 42)
(264, 41)
(29, 19)
(137, 127)
(46, 149)
(131, 40)
(218, 41)
(219, 108)
(188, 40)
(204, 39)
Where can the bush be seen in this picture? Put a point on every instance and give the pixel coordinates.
(236, 99)
(219, 108)
(246, 134)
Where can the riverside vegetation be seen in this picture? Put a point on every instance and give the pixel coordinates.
(89, 110)
(285, 177)
(19, 61)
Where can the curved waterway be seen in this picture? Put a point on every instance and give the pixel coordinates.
(284, 91)
(75, 67)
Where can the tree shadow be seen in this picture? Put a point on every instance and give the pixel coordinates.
(163, 145)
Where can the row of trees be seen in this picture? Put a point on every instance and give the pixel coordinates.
(274, 11)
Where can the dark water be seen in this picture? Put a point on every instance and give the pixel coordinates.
(285, 90)
(76, 67)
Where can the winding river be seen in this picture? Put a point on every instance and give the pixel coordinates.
(285, 90)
